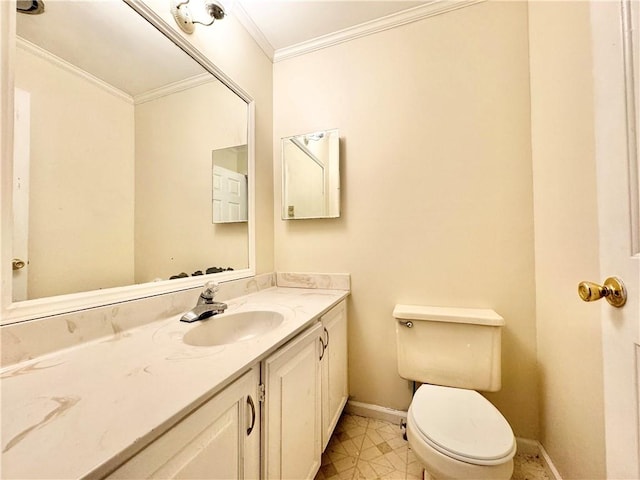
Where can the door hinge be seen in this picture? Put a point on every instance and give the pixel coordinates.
(261, 393)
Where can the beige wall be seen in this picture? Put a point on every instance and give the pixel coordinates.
(436, 186)
(566, 238)
(230, 47)
(175, 233)
(62, 238)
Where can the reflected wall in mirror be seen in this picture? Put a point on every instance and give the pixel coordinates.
(229, 184)
(311, 175)
(115, 125)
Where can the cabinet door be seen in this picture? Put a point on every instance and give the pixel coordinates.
(213, 442)
(292, 408)
(335, 382)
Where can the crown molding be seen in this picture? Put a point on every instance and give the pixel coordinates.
(135, 100)
(71, 68)
(247, 22)
(174, 87)
(431, 9)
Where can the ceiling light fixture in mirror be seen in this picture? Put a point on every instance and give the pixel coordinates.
(189, 12)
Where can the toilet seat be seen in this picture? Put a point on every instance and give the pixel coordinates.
(462, 424)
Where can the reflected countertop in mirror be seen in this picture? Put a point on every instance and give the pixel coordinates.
(113, 140)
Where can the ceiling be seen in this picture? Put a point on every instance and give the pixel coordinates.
(286, 28)
(106, 40)
(288, 23)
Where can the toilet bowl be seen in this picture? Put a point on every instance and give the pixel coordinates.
(453, 430)
(458, 434)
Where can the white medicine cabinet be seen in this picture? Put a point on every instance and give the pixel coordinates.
(311, 175)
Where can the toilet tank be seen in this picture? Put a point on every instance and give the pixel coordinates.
(455, 347)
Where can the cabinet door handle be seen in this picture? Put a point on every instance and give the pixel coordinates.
(323, 348)
(326, 344)
(253, 415)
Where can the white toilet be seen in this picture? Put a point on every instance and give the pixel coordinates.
(453, 430)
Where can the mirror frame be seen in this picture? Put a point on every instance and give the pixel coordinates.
(12, 312)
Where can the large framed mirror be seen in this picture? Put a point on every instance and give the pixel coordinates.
(117, 119)
(311, 175)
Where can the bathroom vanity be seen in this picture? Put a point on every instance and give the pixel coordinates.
(143, 403)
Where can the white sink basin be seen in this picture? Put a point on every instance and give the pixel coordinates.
(232, 327)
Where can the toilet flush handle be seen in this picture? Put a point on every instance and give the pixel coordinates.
(407, 324)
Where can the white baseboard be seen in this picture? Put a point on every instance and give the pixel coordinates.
(525, 445)
(533, 447)
(551, 469)
(375, 411)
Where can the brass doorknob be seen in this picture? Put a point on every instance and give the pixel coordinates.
(613, 290)
(17, 264)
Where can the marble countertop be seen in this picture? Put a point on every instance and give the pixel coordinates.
(83, 411)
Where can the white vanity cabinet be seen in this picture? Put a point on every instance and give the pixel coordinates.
(292, 408)
(292, 414)
(219, 440)
(335, 384)
(305, 392)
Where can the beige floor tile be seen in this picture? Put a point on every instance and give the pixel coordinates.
(353, 445)
(390, 428)
(334, 457)
(387, 435)
(402, 450)
(395, 475)
(364, 471)
(345, 464)
(371, 453)
(375, 424)
(368, 449)
(353, 421)
(399, 462)
(352, 432)
(374, 436)
(528, 467)
(397, 442)
(347, 474)
(367, 443)
(382, 462)
(381, 469)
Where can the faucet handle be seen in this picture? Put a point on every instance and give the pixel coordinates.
(210, 289)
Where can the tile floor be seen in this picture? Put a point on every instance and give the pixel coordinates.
(364, 448)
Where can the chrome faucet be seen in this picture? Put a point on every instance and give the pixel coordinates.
(206, 306)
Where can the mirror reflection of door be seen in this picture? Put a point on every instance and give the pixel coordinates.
(229, 196)
(21, 193)
(229, 192)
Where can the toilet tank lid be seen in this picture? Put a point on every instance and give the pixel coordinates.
(475, 316)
